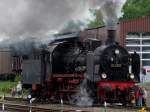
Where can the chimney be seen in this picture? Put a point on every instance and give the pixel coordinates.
(111, 32)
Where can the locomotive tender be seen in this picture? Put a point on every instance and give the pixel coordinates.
(57, 71)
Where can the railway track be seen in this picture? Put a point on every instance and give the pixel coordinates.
(25, 108)
(10, 106)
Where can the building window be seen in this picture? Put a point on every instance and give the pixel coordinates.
(139, 42)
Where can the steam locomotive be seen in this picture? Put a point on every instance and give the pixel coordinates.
(59, 70)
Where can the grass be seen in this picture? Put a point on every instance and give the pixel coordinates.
(6, 86)
(5, 89)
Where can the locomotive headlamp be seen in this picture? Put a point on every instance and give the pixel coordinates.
(104, 76)
(117, 51)
(131, 76)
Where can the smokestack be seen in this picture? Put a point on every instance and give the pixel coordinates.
(110, 15)
(111, 37)
(111, 32)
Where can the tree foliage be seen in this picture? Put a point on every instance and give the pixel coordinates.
(135, 9)
(98, 19)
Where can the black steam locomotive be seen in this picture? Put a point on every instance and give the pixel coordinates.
(57, 71)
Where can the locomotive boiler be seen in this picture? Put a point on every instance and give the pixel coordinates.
(57, 71)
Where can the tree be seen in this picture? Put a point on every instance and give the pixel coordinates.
(135, 9)
(98, 20)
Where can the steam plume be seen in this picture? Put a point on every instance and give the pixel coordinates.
(111, 9)
(83, 97)
(37, 17)
(22, 19)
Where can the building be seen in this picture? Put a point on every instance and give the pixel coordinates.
(135, 36)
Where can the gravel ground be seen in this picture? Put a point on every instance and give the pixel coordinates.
(148, 98)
